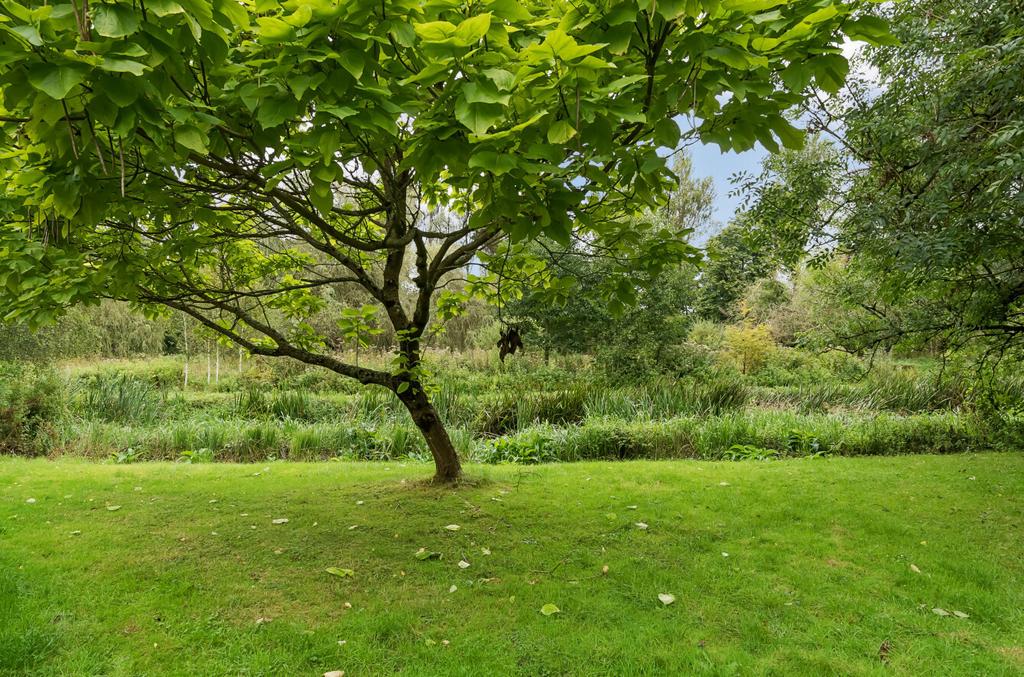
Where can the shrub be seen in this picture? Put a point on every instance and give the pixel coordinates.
(32, 400)
(749, 346)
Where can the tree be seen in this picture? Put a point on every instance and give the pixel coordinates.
(927, 187)
(231, 160)
(735, 260)
(574, 315)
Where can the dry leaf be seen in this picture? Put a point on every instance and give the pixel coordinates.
(913, 567)
(279, 520)
(453, 527)
(666, 598)
(463, 564)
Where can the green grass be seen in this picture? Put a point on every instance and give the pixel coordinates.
(818, 573)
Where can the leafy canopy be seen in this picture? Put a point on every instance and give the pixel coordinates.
(216, 155)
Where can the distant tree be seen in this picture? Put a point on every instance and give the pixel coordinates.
(576, 316)
(230, 161)
(925, 196)
(735, 259)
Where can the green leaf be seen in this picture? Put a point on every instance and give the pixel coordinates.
(402, 387)
(122, 66)
(340, 112)
(870, 29)
(484, 92)
(496, 163)
(472, 29)
(478, 117)
(300, 17)
(191, 137)
(560, 132)
(164, 7)
(830, 71)
(667, 133)
(340, 573)
(53, 80)
(29, 33)
(424, 554)
(353, 61)
(550, 609)
(274, 30)
(434, 31)
(115, 21)
(276, 110)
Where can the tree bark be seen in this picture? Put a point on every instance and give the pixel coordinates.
(446, 461)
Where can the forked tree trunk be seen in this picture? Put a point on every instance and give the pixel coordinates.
(446, 461)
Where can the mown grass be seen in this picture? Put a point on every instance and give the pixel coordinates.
(190, 577)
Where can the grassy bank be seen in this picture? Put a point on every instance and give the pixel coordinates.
(524, 412)
(800, 567)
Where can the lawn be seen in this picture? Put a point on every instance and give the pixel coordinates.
(906, 565)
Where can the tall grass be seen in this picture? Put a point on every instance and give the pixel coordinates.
(120, 398)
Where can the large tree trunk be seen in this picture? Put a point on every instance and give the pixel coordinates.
(446, 460)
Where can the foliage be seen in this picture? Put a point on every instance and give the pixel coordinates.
(31, 400)
(750, 345)
(734, 262)
(920, 192)
(234, 162)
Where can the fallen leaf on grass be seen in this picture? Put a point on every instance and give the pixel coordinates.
(423, 554)
(112, 508)
(76, 532)
(279, 520)
(463, 564)
(335, 673)
(485, 551)
(641, 525)
(913, 567)
(604, 569)
(549, 609)
(960, 614)
(453, 527)
(453, 588)
(341, 573)
(30, 500)
(666, 598)
(940, 612)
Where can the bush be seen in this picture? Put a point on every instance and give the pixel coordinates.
(749, 346)
(32, 400)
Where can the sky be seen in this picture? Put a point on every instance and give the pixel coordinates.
(709, 160)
